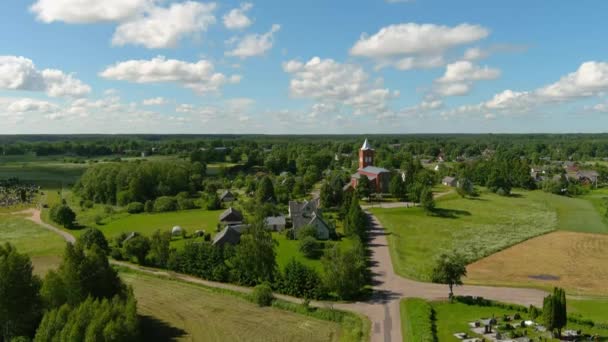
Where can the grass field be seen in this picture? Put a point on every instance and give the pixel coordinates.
(576, 261)
(44, 247)
(476, 227)
(180, 311)
(594, 309)
(573, 214)
(43, 173)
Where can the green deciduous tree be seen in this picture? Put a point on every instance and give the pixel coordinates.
(450, 269)
(20, 304)
(63, 215)
(94, 236)
(364, 187)
(160, 248)
(300, 281)
(344, 270)
(426, 199)
(254, 261)
(137, 247)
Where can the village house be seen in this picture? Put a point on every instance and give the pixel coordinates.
(228, 235)
(449, 181)
(231, 216)
(227, 196)
(307, 213)
(275, 223)
(378, 177)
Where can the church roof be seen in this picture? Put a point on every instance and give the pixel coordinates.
(373, 170)
(366, 145)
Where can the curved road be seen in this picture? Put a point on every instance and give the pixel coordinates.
(382, 308)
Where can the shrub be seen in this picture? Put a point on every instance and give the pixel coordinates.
(135, 208)
(87, 204)
(164, 204)
(63, 215)
(185, 203)
(300, 281)
(308, 246)
(149, 206)
(307, 231)
(116, 254)
(262, 295)
(124, 197)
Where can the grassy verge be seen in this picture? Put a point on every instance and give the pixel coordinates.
(417, 321)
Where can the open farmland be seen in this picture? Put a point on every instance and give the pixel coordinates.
(44, 247)
(577, 262)
(476, 227)
(180, 311)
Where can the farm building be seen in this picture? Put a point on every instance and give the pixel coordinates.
(231, 216)
(228, 235)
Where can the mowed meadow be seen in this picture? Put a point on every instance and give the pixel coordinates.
(507, 240)
(43, 246)
(178, 311)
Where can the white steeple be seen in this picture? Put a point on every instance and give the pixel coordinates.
(366, 145)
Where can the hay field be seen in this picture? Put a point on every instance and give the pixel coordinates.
(577, 262)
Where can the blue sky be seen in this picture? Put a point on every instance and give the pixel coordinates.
(319, 66)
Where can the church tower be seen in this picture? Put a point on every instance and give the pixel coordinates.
(366, 155)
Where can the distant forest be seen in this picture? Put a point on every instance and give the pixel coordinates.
(535, 147)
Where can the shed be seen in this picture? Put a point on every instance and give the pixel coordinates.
(275, 223)
(227, 196)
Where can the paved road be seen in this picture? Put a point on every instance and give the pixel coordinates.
(382, 308)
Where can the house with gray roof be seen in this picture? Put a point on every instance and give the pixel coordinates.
(307, 213)
(275, 223)
(449, 181)
(231, 216)
(227, 196)
(228, 235)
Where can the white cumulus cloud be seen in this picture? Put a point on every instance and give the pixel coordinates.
(459, 77)
(164, 27)
(200, 76)
(410, 42)
(20, 73)
(253, 44)
(88, 11)
(332, 84)
(237, 18)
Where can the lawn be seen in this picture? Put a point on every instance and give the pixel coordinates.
(147, 224)
(594, 309)
(475, 227)
(43, 246)
(178, 311)
(289, 249)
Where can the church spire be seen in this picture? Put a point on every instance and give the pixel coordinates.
(366, 145)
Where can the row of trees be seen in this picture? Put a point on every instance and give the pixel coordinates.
(83, 300)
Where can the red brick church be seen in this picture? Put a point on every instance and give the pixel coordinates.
(378, 177)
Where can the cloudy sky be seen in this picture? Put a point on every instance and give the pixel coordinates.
(315, 66)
